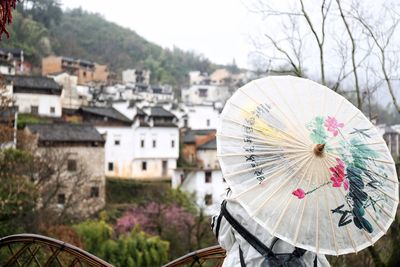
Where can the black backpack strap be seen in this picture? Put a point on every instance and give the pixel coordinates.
(298, 252)
(218, 225)
(252, 240)
(242, 262)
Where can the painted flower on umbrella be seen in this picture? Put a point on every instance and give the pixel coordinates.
(333, 125)
(299, 193)
(338, 175)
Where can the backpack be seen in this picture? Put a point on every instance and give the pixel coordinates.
(271, 259)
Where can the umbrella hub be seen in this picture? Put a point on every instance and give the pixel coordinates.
(319, 150)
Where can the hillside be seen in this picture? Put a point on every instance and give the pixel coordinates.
(46, 29)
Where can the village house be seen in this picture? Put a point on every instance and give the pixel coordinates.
(200, 94)
(197, 77)
(86, 71)
(203, 116)
(36, 95)
(204, 178)
(391, 135)
(78, 152)
(156, 143)
(12, 61)
(70, 97)
(136, 76)
(117, 131)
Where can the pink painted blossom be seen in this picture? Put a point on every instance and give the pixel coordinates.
(299, 193)
(338, 175)
(333, 126)
(346, 184)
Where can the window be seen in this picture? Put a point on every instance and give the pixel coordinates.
(110, 166)
(172, 143)
(144, 165)
(71, 165)
(34, 109)
(208, 199)
(142, 143)
(61, 199)
(154, 143)
(203, 92)
(117, 142)
(94, 191)
(208, 122)
(208, 177)
(52, 110)
(84, 74)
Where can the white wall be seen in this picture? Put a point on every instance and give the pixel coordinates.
(120, 155)
(192, 94)
(163, 137)
(8, 70)
(194, 182)
(44, 102)
(209, 158)
(202, 117)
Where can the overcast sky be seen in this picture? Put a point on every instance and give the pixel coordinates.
(219, 29)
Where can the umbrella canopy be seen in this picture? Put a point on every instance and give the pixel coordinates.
(307, 165)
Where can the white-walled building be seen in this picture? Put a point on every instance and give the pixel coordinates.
(200, 94)
(205, 180)
(208, 187)
(136, 76)
(197, 77)
(143, 145)
(36, 95)
(70, 97)
(204, 116)
(156, 148)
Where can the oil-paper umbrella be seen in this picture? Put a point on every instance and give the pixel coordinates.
(307, 165)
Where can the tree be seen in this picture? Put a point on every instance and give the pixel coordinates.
(135, 248)
(351, 40)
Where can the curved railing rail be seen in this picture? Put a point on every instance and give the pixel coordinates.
(211, 256)
(36, 250)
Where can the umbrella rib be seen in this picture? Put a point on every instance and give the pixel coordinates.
(266, 179)
(346, 226)
(339, 107)
(386, 178)
(302, 214)
(331, 221)
(365, 234)
(292, 136)
(256, 167)
(380, 190)
(289, 136)
(261, 153)
(277, 143)
(317, 222)
(290, 198)
(277, 190)
(277, 106)
(360, 144)
(290, 108)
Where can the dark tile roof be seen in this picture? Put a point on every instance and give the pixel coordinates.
(35, 83)
(209, 145)
(160, 112)
(190, 135)
(140, 112)
(66, 132)
(109, 112)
